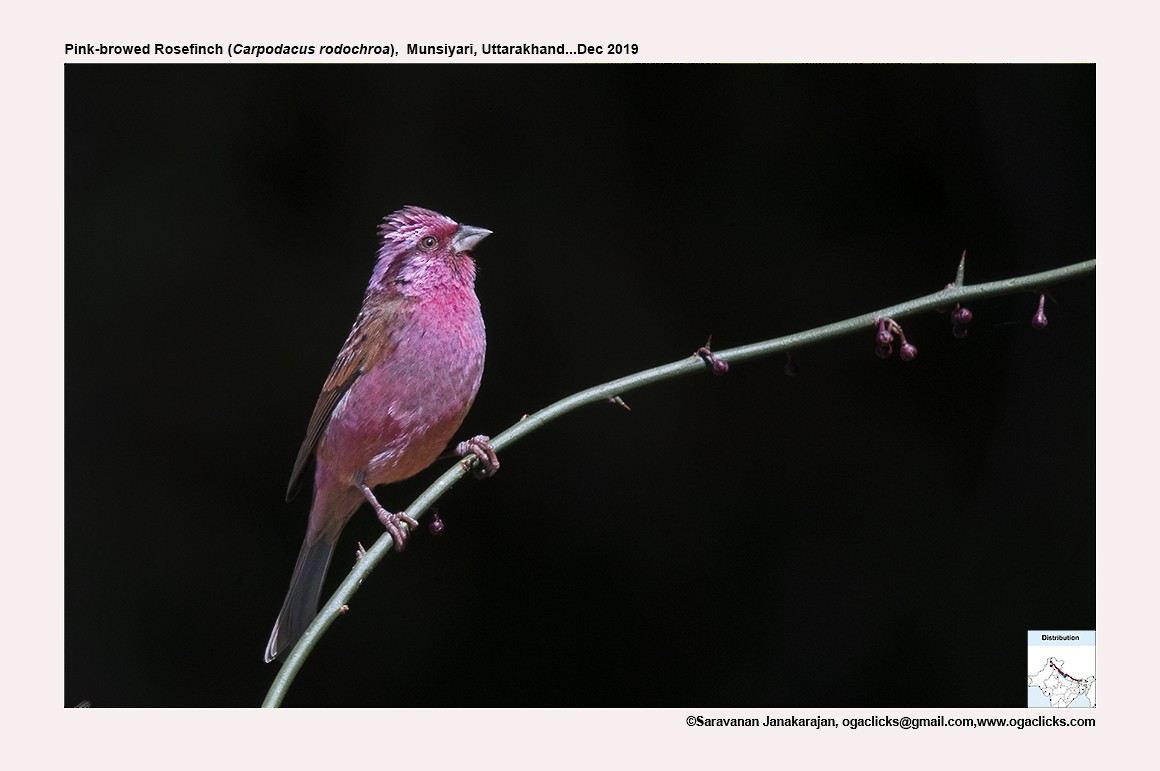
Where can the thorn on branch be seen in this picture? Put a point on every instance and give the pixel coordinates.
(1039, 320)
(716, 366)
(957, 283)
(620, 402)
(360, 551)
(887, 329)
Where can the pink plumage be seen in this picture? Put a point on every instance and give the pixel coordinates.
(400, 388)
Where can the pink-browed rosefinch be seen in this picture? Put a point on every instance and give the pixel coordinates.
(402, 384)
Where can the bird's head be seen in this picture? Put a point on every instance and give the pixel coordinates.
(422, 248)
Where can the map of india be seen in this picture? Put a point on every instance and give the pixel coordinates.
(1061, 669)
(1060, 688)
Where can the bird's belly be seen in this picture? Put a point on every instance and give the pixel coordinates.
(397, 419)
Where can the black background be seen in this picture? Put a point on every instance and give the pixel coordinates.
(867, 533)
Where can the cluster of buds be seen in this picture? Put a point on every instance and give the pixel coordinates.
(887, 329)
(961, 316)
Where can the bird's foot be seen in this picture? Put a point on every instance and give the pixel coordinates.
(479, 449)
(394, 523)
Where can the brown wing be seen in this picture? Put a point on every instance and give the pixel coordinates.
(369, 341)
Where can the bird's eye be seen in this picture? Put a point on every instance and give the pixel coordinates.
(427, 243)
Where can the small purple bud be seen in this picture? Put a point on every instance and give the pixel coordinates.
(436, 526)
(717, 366)
(884, 337)
(962, 316)
(884, 351)
(907, 352)
(1039, 320)
(959, 331)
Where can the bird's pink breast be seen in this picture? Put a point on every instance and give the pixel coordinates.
(399, 415)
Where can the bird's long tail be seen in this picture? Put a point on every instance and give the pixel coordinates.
(301, 603)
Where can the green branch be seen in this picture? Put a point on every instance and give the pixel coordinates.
(959, 292)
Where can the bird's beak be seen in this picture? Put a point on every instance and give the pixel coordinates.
(467, 237)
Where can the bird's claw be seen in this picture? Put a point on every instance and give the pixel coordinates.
(392, 522)
(394, 525)
(479, 449)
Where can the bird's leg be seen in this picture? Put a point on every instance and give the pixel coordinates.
(392, 522)
(479, 447)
